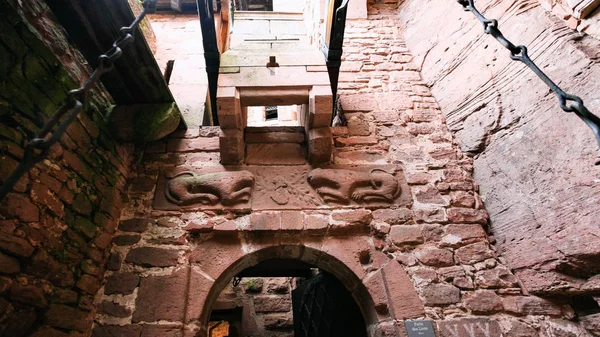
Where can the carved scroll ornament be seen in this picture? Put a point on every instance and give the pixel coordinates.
(343, 186)
(228, 188)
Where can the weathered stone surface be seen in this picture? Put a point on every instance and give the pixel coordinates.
(320, 145)
(162, 330)
(456, 235)
(153, 257)
(278, 321)
(28, 294)
(121, 283)
(160, 298)
(144, 122)
(531, 305)
(483, 302)
(469, 327)
(126, 240)
(392, 216)
(275, 154)
(530, 209)
(440, 294)
(499, 277)
(473, 253)
(48, 332)
(113, 309)
(88, 284)
(20, 206)
(9, 265)
(406, 235)
(62, 316)
(435, 257)
(138, 225)
(270, 303)
(15, 245)
(116, 330)
(403, 300)
(44, 266)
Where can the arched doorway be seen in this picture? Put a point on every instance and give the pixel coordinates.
(338, 275)
(282, 298)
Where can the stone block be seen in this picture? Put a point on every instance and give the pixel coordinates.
(320, 107)
(138, 225)
(378, 292)
(473, 253)
(9, 265)
(200, 287)
(276, 154)
(435, 257)
(28, 294)
(116, 330)
(320, 145)
(121, 283)
(15, 245)
(113, 309)
(440, 294)
(469, 327)
(232, 146)
(456, 235)
(531, 305)
(152, 257)
(161, 330)
(406, 235)
(272, 303)
(65, 317)
(499, 277)
(162, 298)
(483, 302)
(229, 108)
(216, 255)
(19, 206)
(403, 298)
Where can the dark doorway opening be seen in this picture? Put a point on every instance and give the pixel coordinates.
(284, 298)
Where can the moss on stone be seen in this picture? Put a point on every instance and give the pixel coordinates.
(144, 122)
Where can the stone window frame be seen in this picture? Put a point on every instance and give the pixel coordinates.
(315, 117)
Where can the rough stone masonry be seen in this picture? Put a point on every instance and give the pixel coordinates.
(421, 250)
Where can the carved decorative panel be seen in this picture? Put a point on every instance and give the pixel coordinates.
(282, 187)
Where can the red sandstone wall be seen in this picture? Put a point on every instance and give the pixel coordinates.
(429, 257)
(56, 225)
(537, 166)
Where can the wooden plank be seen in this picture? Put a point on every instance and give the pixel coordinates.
(93, 26)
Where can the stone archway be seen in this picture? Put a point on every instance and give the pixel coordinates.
(383, 291)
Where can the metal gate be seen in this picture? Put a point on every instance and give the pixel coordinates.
(323, 307)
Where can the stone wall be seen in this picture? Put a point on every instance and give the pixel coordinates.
(266, 305)
(426, 253)
(56, 225)
(537, 166)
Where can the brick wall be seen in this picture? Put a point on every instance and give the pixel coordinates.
(430, 256)
(56, 225)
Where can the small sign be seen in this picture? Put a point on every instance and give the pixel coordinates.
(419, 328)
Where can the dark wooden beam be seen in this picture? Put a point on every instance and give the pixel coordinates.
(334, 41)
(93, 26)
(212, 55)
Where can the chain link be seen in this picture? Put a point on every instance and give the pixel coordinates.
(569, 103)
(37, 148)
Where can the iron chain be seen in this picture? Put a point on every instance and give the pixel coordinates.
(569, 103)
(37, 148)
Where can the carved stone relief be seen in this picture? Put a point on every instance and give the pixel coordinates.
(342, 186)
(277, 187)
(229, 188)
